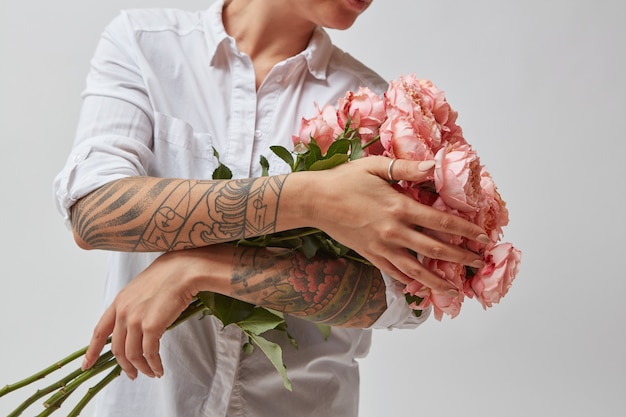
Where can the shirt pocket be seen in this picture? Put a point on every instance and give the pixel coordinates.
(180, 151)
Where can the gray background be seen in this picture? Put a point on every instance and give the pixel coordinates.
(540, 89)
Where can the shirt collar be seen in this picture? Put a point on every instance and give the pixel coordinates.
(317, 54)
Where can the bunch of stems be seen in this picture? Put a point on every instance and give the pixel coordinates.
(59, 391)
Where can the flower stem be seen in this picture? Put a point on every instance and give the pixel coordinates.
(104, 362)
(307, 232)
(93, 391)
(68, 384)
(43, 373)
(371, 142)
(44, 391)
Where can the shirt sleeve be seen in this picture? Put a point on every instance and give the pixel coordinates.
(114, 134)
(398, 314)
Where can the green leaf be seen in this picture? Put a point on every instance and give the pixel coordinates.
(335, 247)
(283, 328)
(313, 155)
(248, 348)
(300, 164)
(275, 354)
(324, 329)
(222, 172)
(356, 150)
(310, 246)
(208, 299)
(329, 163)
(265, 166)
(283, 154)
(338, 146)
(260, 321)
(227, 309)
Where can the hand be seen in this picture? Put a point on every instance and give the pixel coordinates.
(362, 211)
(141, 313)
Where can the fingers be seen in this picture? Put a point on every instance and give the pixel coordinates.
(133, 351)
(403, 169)
(431, 218)
(99, 338)
(406, 268)
(151, 348)
(136, 343)
(118, 347)
(417, 171)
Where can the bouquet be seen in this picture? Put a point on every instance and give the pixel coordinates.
(412, 120)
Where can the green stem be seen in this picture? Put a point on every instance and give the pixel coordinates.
(307, 232)
(43, 392)
(357, 259)
(93, 391)
(55, 401)
(371, 142)
(42, 374)
(70, 382)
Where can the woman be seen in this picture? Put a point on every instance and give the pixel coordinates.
(166, 88)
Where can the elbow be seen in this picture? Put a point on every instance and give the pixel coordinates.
(81, 241)
(79, 231)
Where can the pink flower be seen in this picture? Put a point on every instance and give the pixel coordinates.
(494, 214)
(426, 107)
(365, 110)
(441, 303)
(457, 177)
(323, 127)
(493, 281)
(400, 140)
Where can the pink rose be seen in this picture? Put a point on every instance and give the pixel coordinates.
(493, 214)
(401, 141)
(493, 281)
(434, 100)
(323, 127)
(426, 106)
(457, 177)
(365, 110)
(441, 303)
(404, 100)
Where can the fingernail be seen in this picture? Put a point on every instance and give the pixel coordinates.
(477, 263)
(85, 365)
(426, 165)
(483, 238)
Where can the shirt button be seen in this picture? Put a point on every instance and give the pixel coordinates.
(258, 133)
(78, 157)
(279, 79)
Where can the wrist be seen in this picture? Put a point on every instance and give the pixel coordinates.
(299, 201)
(208, 268)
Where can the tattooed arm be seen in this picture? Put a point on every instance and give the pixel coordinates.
(336, 292)
(376, 220)
(143, 214)
(359, 209)
(325, 290)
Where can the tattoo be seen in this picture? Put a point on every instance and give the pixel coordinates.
(182, 213)
(332, 291)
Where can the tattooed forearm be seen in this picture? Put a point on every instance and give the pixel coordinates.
(333, 291)
(149, 214)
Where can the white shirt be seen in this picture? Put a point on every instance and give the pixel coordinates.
(165, 88)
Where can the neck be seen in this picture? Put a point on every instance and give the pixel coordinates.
(266, 30)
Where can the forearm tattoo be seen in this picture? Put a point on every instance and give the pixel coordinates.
(332, 291)
(169, 214)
